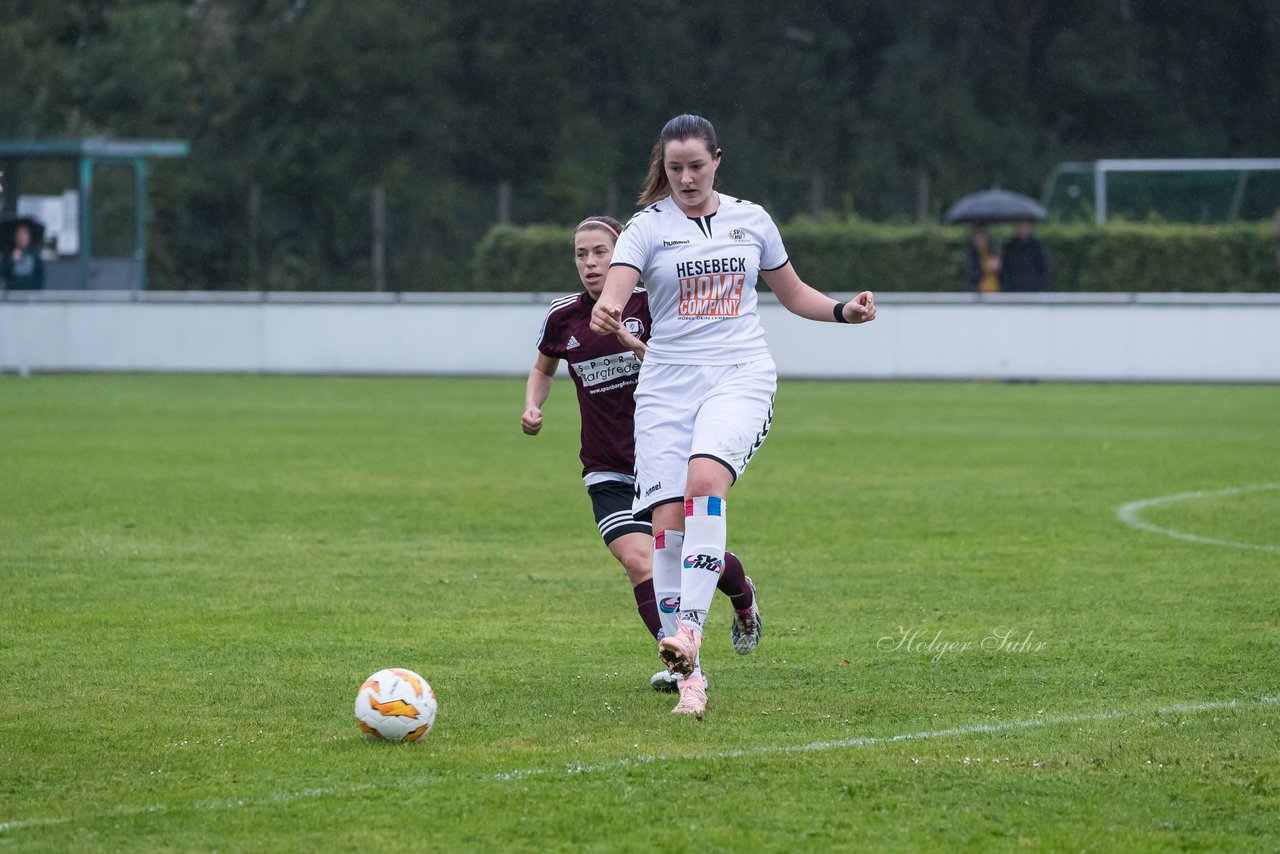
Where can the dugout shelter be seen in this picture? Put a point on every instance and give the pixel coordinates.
(68, 213)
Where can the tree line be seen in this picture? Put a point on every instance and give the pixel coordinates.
(458, 114)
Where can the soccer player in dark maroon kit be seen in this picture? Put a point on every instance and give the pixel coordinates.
(604, 370)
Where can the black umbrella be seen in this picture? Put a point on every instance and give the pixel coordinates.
(996, 206)
(9, 225)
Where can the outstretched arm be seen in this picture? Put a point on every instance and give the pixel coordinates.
(536, 391)
(800, 299)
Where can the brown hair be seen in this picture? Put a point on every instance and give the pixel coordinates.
(682, 127)
(599, 223)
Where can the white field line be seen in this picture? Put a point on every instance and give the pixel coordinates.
(1129, 515)
(868, 741)
(221, 804)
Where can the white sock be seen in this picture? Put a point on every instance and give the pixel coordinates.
(702, 558)
(666, 578)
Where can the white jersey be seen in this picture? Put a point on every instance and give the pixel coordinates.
(701, 274)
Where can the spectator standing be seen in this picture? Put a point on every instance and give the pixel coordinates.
(22, 268)
(1024, 262)
(980, 267)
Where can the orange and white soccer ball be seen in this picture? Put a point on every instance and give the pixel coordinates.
(396, 705)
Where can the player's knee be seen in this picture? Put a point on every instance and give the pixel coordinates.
(639, 566)
(700, 486)
(708, 477)
(709, 484)
(669, 517)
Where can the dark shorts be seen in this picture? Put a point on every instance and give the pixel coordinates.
(612, 502)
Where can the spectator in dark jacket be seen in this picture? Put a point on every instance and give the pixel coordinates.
(1024, 262)
(21, 268)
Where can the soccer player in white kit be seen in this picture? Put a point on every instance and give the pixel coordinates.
(604, 371)
(705, 396)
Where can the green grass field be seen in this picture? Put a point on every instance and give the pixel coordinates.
(198, 573)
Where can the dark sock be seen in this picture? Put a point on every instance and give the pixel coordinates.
(733, 583)
(647, 605)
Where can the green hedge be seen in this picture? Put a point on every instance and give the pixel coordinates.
(533, 258)
(856, 256)
(1149, 257)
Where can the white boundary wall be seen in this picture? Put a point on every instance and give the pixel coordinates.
(1098, 337)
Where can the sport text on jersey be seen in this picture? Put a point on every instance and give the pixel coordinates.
(711, 287)
(603, 369)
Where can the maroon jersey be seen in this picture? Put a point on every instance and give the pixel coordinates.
(604, 372)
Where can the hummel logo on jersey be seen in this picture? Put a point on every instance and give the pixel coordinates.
(675, 243)
(573, 343)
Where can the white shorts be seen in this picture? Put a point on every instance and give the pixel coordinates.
(687, 411)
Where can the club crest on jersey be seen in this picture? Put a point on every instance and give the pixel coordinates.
(634, 325)
(707, 562)
(738, 235)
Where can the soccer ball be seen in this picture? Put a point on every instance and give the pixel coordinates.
(396, 705)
